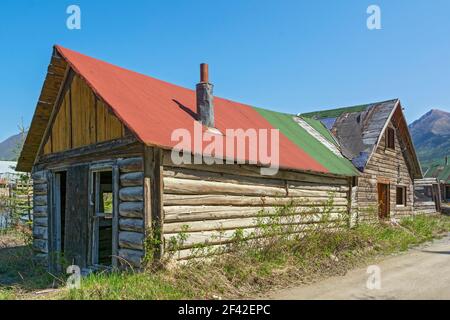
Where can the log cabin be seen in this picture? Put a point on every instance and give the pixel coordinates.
(376, 138)
(441, 172)
(101, 151)
(427, 196)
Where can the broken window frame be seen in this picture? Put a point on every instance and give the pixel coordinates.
(94, 197)
(390, 138)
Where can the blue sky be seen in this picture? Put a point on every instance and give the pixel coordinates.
(292, 56)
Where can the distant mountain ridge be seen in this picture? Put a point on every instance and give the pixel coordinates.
(431, 136)
(10, 147)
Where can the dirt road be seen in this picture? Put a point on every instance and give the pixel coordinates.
(421, 273)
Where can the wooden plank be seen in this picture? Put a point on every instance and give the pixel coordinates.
(131, 257)
(131, 164)
(132, 194)
(203, 213)
(232, 200)
(132, 179)
(131, 240)
(134, 225)
(132, 209)
(76, 236)
(183, 186)
(233, 224)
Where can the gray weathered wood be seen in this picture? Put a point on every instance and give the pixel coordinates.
(40, 189)
(132, 194)
(135, 225)
(131, 240)
(131, 165)
(132, 257)
(40, 200)
(132, 179)
(40, 177)
(132, 209)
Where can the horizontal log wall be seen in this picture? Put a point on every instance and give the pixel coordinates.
(131, 211)
(207, 204)
(40, 216)
(423, 196)
(387, 165)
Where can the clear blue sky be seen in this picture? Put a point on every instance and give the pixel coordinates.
(292, 56)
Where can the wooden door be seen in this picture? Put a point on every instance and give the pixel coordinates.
(77, 216)
(383, 201)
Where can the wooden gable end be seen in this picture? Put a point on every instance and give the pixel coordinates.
(81, 119)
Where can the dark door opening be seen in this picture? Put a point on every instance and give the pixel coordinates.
(383, 201)
(60, 213)
(436, 197)
(103, 218)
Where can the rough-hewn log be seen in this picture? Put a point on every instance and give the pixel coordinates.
(40, 189)
(131, 165)
(131, 209)
(39, 177)
(40, 245)
(133, 257)
(41, 222)
(135, 225)
(40, 232)
(296, 192)
(183, 186)
(189, 174)
(230, 224)
(210, 199)
(132, 179)
(132, 194)
(308, 187)
(131, 240)
(196, 213)
(40, 200)
(40, 211)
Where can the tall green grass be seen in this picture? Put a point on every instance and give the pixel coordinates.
(249, 268)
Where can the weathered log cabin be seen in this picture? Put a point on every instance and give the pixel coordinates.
(427, 196)
(100, 147)
(441, 172)
(376, 138)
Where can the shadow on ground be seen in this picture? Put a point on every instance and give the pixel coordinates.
(19, 271)
(435, 252)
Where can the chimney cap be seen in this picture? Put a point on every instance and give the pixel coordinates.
(204, 73)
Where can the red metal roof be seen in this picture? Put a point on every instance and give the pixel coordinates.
(153, 109)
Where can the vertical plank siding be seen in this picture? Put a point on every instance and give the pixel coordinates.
(82, 120)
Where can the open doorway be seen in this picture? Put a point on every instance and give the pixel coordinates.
(60, 211)
(102, 227)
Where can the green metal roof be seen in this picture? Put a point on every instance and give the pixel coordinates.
(294, 132)
(440, 170)
(334, 113)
